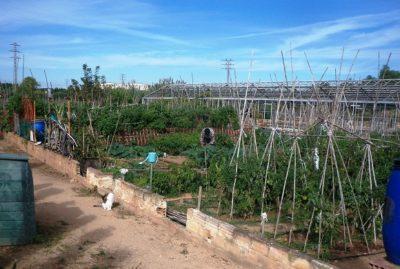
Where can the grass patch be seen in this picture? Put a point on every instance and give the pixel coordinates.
(49, 236)
(86, 192)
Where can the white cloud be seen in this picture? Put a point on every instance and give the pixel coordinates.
(125, 17)
(118, 61)
(329, 27)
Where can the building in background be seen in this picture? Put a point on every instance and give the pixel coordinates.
(132, 85)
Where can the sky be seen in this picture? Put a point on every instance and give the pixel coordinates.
(187, 39)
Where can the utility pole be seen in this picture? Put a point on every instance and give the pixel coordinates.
(228, 66)
(15, 57)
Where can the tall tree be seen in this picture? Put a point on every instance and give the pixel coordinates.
(90, 89)
(388, 73)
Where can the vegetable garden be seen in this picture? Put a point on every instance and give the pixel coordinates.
(320, 180)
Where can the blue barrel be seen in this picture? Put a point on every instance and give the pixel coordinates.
(391, 219)
(17, 205)
(40, 127)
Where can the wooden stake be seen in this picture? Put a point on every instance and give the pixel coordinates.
(199, 198)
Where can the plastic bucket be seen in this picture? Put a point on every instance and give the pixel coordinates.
(40, 127)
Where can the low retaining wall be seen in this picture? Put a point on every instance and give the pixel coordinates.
(62, 164)
(251, 251)
(127, 194)
(139, 198)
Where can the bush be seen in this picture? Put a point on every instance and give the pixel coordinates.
(179, 180)
(122, 151)
(175, 143)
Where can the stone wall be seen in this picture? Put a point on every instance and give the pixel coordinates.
(128, 194)
(62, 164)
(139, 198)
(125, 193)
(248, 250)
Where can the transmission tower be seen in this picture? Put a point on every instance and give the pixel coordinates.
(123, 79)
(23, 67)
(228, 66)
(15, 57)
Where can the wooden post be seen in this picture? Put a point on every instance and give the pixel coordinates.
(199, 198)
(151, 176)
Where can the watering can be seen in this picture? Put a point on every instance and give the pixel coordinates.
(151, 158)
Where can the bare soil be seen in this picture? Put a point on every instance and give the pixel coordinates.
(74, 234)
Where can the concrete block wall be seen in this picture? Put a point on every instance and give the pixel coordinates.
(139, 198)
(248, 250)
(128, 194)
(96, 178)
(125, 193)
(62, 164)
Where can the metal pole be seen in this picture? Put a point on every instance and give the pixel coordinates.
(151, 176)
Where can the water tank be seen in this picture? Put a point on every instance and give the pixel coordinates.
(391, 219)
(17, 205)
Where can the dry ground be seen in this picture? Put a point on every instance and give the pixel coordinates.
(74, 234)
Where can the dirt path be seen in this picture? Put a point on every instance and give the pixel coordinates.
(74, 234)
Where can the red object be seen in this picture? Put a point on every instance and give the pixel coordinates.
(28, 113)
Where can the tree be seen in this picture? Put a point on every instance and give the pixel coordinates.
(91, 87)
(386, 72)
(369, 77)
(28, 87)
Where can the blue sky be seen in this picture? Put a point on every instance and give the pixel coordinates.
(148, 40)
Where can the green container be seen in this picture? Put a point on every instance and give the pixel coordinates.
(17, 204)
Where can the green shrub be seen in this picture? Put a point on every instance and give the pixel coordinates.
(176, 143)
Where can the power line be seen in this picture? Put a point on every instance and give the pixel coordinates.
(15, 57)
